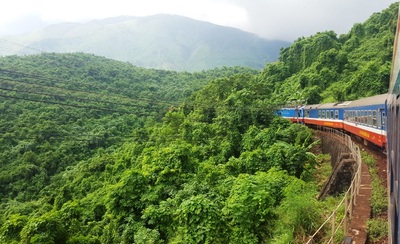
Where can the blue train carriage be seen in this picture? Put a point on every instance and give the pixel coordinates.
(393, 143)
(366, 118)
(294, 114)
(328, 115)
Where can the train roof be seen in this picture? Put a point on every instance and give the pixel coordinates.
(332, 105)
(374, 100)
(312, 106)
(327, 105)
(286, 108)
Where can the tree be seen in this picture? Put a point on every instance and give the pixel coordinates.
(199, 220)
(249, 209)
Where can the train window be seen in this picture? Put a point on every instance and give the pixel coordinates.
(332, 116)
(307, 114)
(374, 118)
(323, 114)
(370, 120)
(336, 114)
(319, 113)
(362, 117)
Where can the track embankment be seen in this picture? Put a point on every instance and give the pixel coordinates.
(342, 172)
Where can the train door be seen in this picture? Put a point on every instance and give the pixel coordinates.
(381, 119)
(297, 114)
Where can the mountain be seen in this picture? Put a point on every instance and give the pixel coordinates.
(161, 41)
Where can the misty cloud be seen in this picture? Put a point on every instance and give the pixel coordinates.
(271, 19)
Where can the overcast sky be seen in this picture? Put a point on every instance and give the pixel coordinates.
(271, 19)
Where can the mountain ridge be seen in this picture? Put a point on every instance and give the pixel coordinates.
(160, 41)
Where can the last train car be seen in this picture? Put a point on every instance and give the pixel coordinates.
(294, 114)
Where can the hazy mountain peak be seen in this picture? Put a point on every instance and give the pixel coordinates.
(161, 41)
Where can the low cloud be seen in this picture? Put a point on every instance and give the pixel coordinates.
(271, 19)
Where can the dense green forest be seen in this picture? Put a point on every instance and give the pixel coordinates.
(328, 68)
(100, 151)
(67, 105)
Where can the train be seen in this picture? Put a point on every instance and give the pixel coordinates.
(364, 118)
(376, 120)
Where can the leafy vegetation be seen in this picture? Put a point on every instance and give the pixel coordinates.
(99, 166)
(377, 226)
(377, 229)
(99, 151)
(379, 194)
(51, 123)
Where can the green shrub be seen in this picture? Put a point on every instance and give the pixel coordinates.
(379, 196)
(377, 229)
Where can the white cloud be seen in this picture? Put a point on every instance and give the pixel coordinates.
(279, 19)
(290, 19)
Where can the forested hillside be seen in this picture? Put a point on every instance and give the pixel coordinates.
(58, 109)
(99, 151)
(85, 158)
(328, 68)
